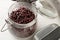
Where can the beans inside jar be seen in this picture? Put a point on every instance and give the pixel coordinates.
(23, 16)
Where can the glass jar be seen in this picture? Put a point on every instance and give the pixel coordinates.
(22, 30)
(46, 8)
(25, 0)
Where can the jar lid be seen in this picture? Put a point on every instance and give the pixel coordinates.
(25, 0)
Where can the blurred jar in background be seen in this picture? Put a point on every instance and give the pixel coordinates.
(25, 0)
(56, 3)
(47, 8)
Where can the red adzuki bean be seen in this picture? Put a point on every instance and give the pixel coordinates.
(22, 16)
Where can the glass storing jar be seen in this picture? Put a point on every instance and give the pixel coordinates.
(46, 8)
(30, 1)
(25, 29)
(22, 27)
